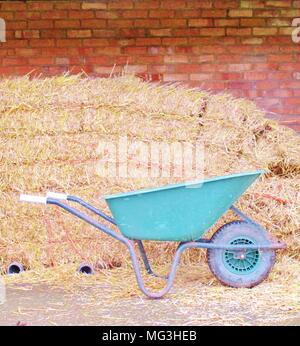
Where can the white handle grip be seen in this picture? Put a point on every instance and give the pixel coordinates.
(33, 199)
(57, 195)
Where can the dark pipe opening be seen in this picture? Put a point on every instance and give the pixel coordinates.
(85, 269)
(14, 268)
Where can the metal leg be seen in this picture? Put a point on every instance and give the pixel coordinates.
(146, 261)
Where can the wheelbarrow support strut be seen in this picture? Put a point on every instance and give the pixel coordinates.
(56, 199)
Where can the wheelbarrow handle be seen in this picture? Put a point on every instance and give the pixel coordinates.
(33, 199)
(57, 195)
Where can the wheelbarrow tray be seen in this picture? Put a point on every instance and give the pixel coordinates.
(180, 212)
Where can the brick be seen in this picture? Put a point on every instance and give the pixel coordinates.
(278, 75)
(186, 32)
(41, 61)
(255, 75)
(123, 23)
(149, 59)
(67, 24)
(81, 14)
(188, 68)
(6, 70)
(27, 52)
(252, 4)
(41, 43)
(175, 59)
(135, 50)
(132, 32)
(175, 77)
(94, 6)
(95, 42)
(153, 4)
(279, 22)
(174, 23)
(108, 51)
(212, 32)
(108, 14)
(280, 58)
(240, 13)
(10, 6)
(40, 24)
(135, 14)
(214, 13)
(187, 14)
(93, 23)
(201, 76)
(68, 42)
(206, 49)
(120, 4)
(136, 68)
(14, 61)
(25, 15)
(39, 6)
(104, 33)
(174, 41)
(160, 32)
(200, 22)
(79, 33)
(16, 25)
(16, 44)
(286, 31)
(161, 13)
(54, 33)
(279, 3)
(107, 70)
(147, 23)
(62, 61)
(266, 13)
(202, 58)
(253, 22)
(226, 4)
(173, 4)
(58, 14)
(11, 15)
(253, 40)
(238, 67)
(226, 22)
(292, 13)
(152, 41)
(213, 85)
(27, 34)
(67, 5)
(241, 85)
(200, 3)
(264, 31)
(238, 31)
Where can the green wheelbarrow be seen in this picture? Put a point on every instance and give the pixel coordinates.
(240, 254)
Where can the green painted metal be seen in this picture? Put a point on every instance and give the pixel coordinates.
(241, 262)
(180, 212)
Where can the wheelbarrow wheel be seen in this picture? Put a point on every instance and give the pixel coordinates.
(245, 268)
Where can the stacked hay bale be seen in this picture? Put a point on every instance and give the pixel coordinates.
(51, 129)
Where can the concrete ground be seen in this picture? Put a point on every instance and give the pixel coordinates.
(28, 304)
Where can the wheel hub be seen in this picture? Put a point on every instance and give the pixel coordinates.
(242, 261)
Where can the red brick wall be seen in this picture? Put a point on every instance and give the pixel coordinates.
(241, 45)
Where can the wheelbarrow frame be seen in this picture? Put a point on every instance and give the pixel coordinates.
(57, 198)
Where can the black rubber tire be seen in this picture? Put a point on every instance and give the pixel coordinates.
(225, 235)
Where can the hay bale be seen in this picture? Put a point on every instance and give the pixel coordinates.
(50, 129)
